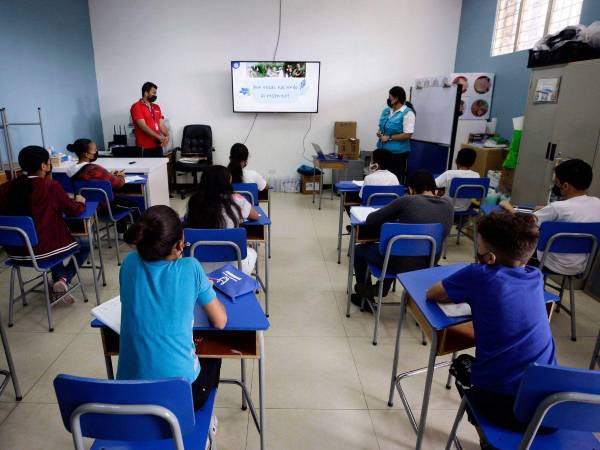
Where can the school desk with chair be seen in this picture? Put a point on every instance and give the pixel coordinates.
(322, 162)
(448, 335)
(348, 191)
(241, 339)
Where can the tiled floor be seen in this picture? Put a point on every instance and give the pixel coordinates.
(327, 386)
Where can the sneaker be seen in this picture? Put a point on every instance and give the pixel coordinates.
(58, 289)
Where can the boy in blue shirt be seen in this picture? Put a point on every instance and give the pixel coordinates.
(509, 315)
(159, 292)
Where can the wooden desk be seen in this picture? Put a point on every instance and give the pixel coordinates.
(322, 164)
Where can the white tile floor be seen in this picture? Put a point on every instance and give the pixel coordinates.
(327, 386)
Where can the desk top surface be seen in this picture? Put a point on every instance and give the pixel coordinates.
(88, 212)
(321, 159)
(416, 284)
(346, 186)
(262, 220)
(245, 314)
(140, 165)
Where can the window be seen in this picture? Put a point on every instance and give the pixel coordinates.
(521, 23)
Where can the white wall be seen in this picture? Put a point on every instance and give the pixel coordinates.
(185, 47)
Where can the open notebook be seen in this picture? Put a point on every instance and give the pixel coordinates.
(109, 313)
(359, 183)
(455, 309)
(361, 212)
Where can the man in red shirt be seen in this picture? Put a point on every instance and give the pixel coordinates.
(151, 134)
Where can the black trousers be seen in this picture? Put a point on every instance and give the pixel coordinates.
(398, 165)
(208, 379)
(156, 152)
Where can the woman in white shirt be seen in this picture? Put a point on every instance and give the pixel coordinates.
(215, 205)
(380, 175)
(238, 160)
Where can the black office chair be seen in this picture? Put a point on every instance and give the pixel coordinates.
(194, 155)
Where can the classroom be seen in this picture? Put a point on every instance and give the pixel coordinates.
(296, 225)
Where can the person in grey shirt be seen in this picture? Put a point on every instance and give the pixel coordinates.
(421, 206)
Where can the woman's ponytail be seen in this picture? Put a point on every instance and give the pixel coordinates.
(237, 156)
(410, 105)
(155, 233)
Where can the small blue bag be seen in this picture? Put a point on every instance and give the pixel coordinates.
(232, 282)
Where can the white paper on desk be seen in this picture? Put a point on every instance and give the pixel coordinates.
(359, 183)
(455, 309)
(361, 212)
(132, 178)
(109, 313)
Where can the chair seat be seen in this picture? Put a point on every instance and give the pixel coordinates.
(46, 263)
(196, 440)
(503, 439)
(376, 271)
(119, 214)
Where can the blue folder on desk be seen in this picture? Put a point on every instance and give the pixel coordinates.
(232, 282)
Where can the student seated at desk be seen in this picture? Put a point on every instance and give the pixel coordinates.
(36, 195)
(159, 290)
(215, 205)
(238, 161)
(421, 206)
(572, 179)
(87, 170)
(510, 320)
(464, 161)
(380, 175)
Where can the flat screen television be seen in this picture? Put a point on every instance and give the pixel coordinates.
(275, 86)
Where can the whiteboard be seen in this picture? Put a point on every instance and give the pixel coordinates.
(435, 114)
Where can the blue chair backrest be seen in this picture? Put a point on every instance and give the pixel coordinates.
(378, 193)
(174, 394)
(569, 244)
(216, 253)
(91, 190)
(540, 381)
(64, 180)
(469, 188)
(12, 238)
(411, 247)
(248, 190)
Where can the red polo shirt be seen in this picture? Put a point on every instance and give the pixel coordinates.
(152, 117)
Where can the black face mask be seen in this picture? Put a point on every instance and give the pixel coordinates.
(152, 98)
(389, 102)
(556, 190)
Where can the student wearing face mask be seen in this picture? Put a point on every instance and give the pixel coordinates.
(572, 180)
(36, 195)
(151, 133)
(87, 170)
(396, 126)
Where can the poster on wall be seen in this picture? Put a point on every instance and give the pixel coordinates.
(546, 90)
(476, 97)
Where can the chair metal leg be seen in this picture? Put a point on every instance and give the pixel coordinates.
(97, 242)
(596, 354)
(475, 247)
(243, 380)
(423, 338)
(21, 286)
(11, 299)
(117, 244)
(80, 283)
(572, 302)
(269, 227)
(560, 293)
(48, 305)
(450, 377)
(11, 373)
(108, 237)
(459, 229)
(459, 415)
(378, 315)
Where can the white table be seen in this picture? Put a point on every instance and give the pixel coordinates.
(157, 187)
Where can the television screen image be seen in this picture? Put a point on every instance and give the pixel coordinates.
(275, 86)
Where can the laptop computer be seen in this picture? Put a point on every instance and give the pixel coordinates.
(320, 153)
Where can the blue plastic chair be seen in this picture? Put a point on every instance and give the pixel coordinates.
(569, 237)
(101, 191)
(468, 188)
(402, 239)
(19, 231)
(248, 190)
(64, 180)
(381, 195)
(550, 396)
(216, 245)
(133, 415)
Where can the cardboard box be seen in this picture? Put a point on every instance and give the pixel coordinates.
(3, 177)
(487, 158)
(506, 180)
(309, 184)
(348, 148)
(344, 130)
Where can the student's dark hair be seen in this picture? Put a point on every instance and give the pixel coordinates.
(31, 159)
(155, 233)
(382, 158)
(399, 93)
(237, 155)
(147, 86)
(421, 181)
(80, 146)
(576, 172)
(512, 237)
(466, 157)
(213, 199)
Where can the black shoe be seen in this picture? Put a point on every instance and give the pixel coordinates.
(357, 301)
(348, 228)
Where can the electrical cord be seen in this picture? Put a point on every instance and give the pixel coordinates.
(304, 138)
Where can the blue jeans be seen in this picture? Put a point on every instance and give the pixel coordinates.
(68, 272)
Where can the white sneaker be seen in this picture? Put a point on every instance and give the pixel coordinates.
(58, 289)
